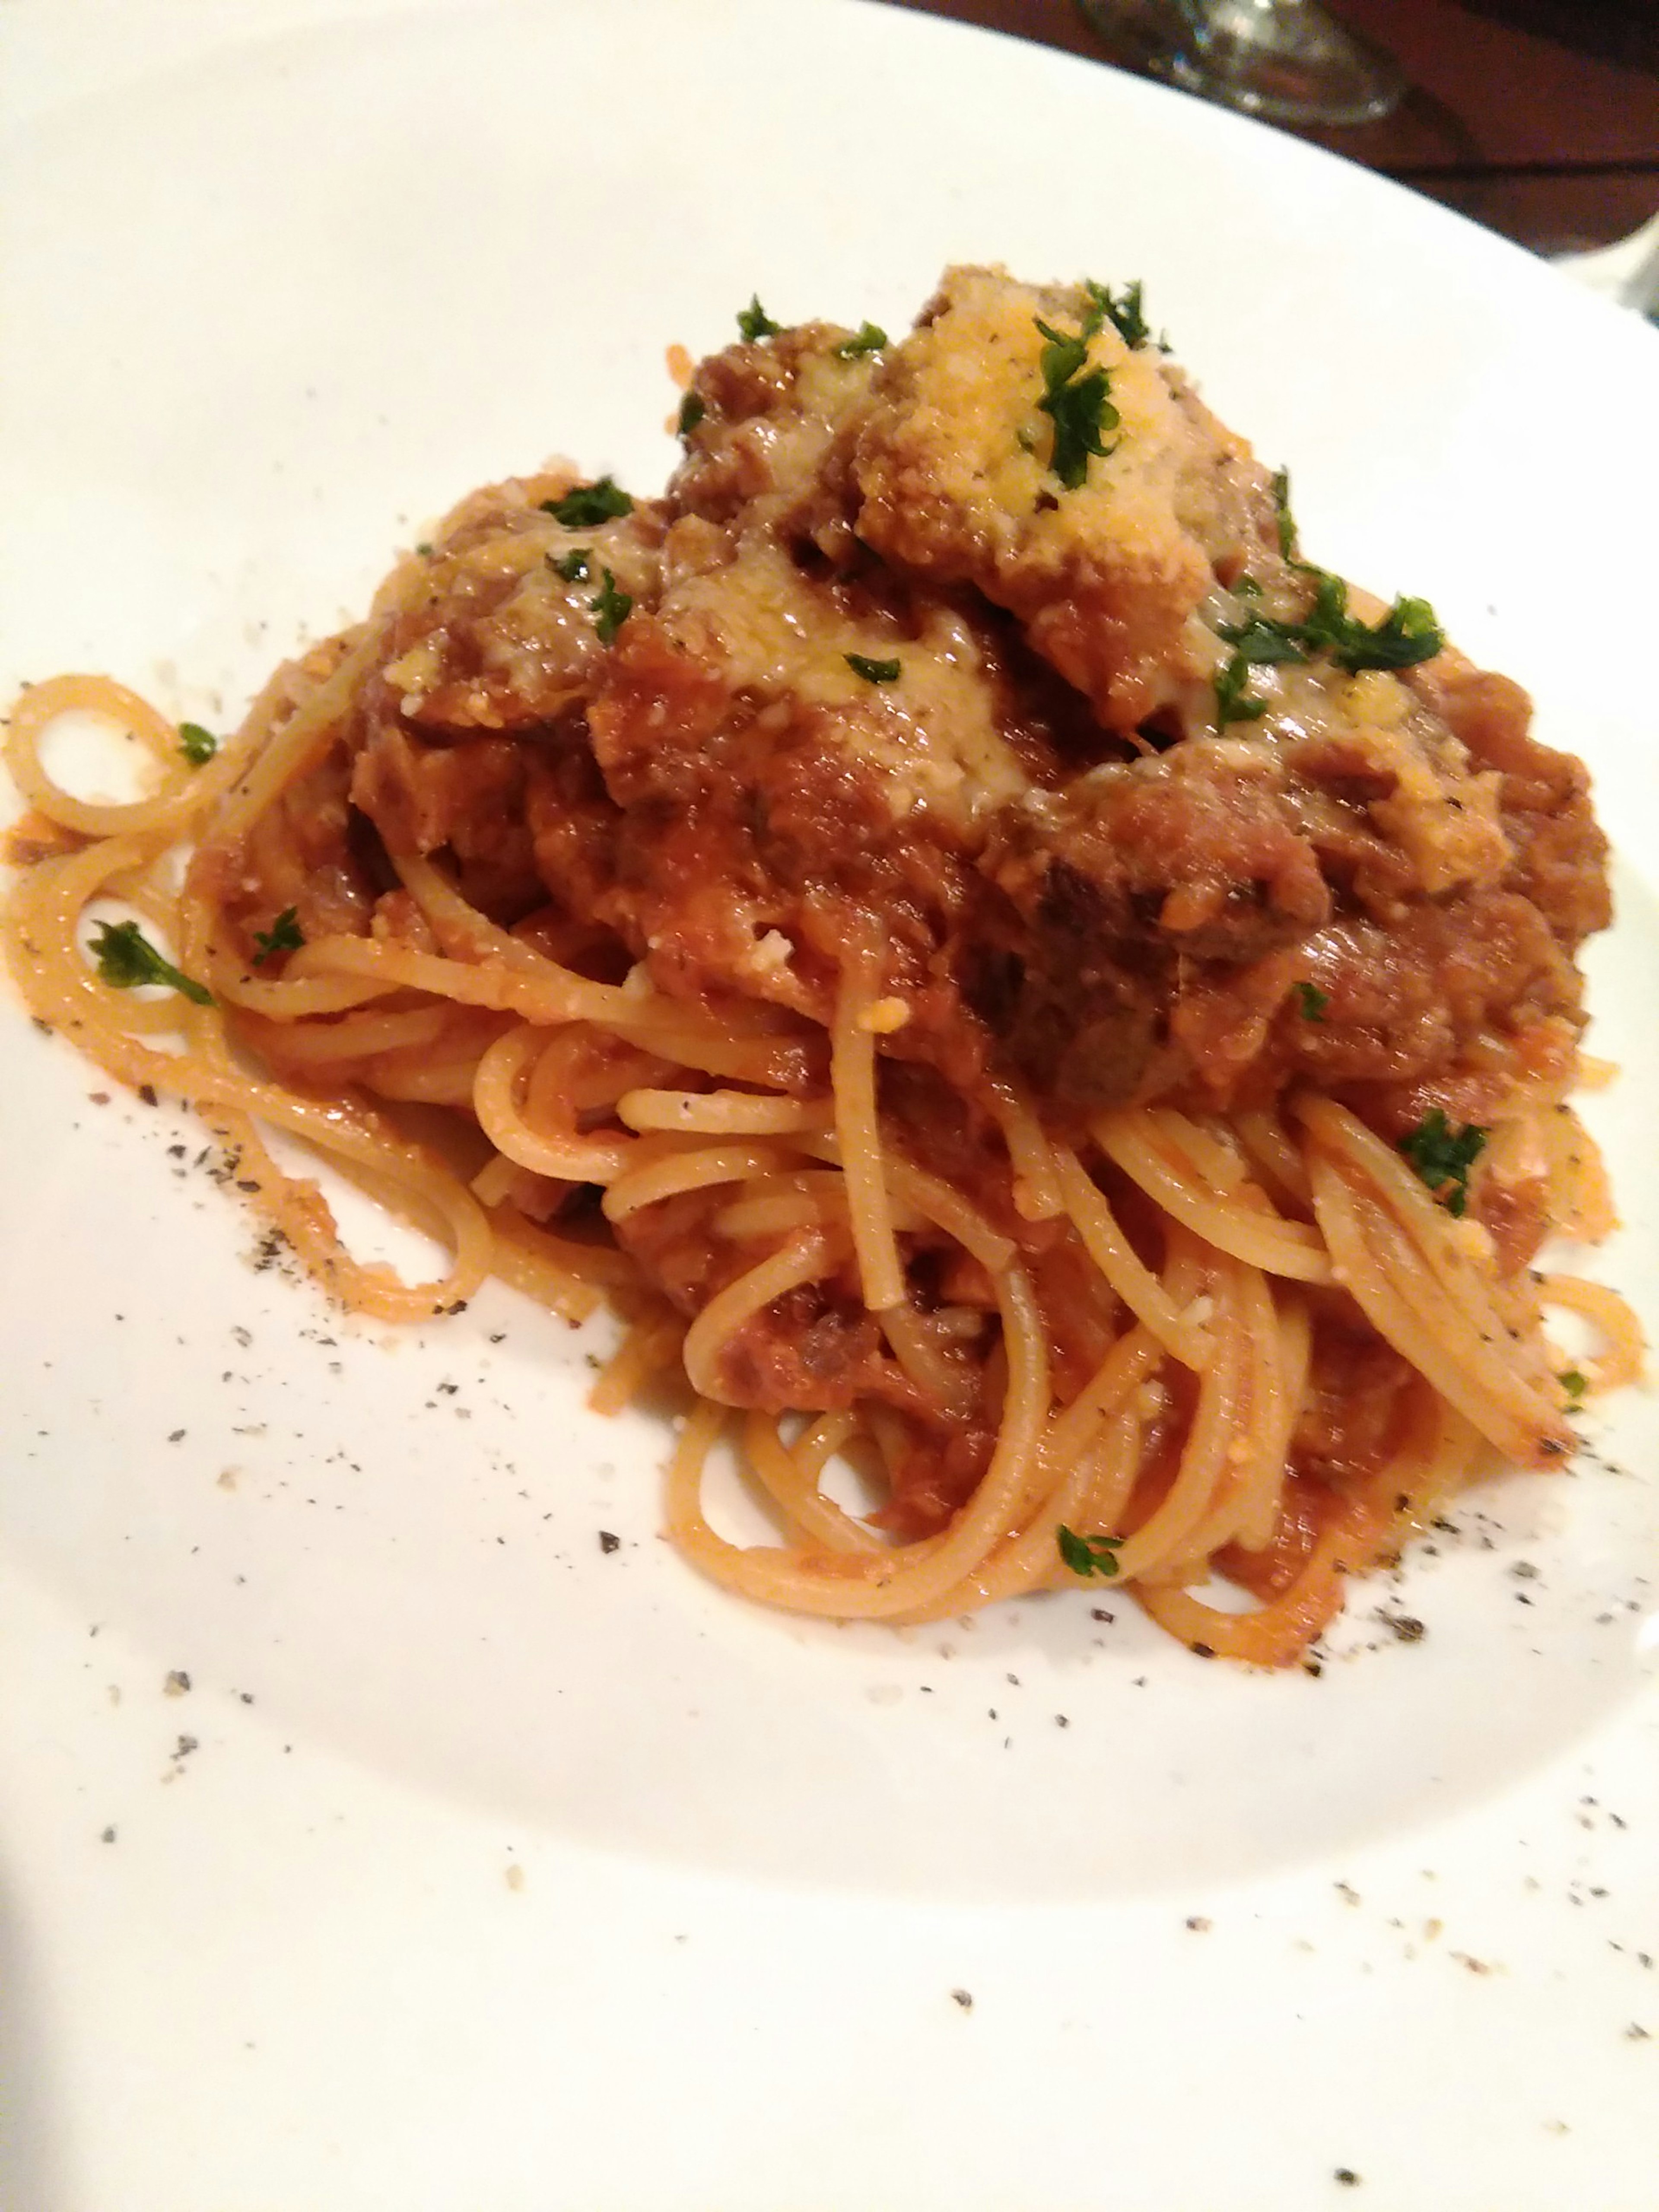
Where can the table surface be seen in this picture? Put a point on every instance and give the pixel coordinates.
(1539, 118)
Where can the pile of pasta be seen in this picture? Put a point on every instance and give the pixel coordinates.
(1107, 1348)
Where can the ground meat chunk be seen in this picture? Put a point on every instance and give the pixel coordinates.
(506, 636)
(1402, 1002)
(767, 445)
(1561, 854)
(812, 1351)
(815, 1349)
(1140, 882)
(1386, 793)
(1198, 848)
(778, 804)
(300, 855)
(466, 798)
(1351, 1419)
(934, 1481)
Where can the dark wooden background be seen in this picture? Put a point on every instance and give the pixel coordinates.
(1539, 118)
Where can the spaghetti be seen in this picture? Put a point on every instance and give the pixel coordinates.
(1002, 973)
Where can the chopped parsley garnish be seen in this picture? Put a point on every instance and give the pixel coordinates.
(1287, 537)
(693, 408)
(1079, 405)
(425, 548)
(1329, 618)
(870, 337)
(1233, 702)
(589, 504)
(873, 671)
(1407, 634)
(1261, 642)
(197, 744)
(1088, 1555)
(1124, 315)
(575, 565)
(284, 935)
(1063, 356)
(1573, 1383)
(1442, 1155)
(754, 323)
(127, 960)
(610, 609)
(1313, 1001)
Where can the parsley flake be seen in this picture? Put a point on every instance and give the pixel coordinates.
(1080, 413)
(1327, 623)
(754, 323)
(1088, 1555)
(1124, 315)
(1407, 634)
(589, 504)
(1077, 405)
(574, 566)
(1573, 1383)
(127, 960)
(284, 935)
(870, 337)
(197, 744)
(1261, 642)
(610, 608)
(1064, 354)
(1233, 702)
(1442, 1156)
(1287, 534)
(1313, 1001)
(873, 671)
(693, 408)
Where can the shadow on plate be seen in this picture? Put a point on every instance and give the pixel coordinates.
(31, 2170)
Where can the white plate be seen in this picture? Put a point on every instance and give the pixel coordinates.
(280, 280)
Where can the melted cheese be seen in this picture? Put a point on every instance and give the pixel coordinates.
(954, 465)
(783, 641)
